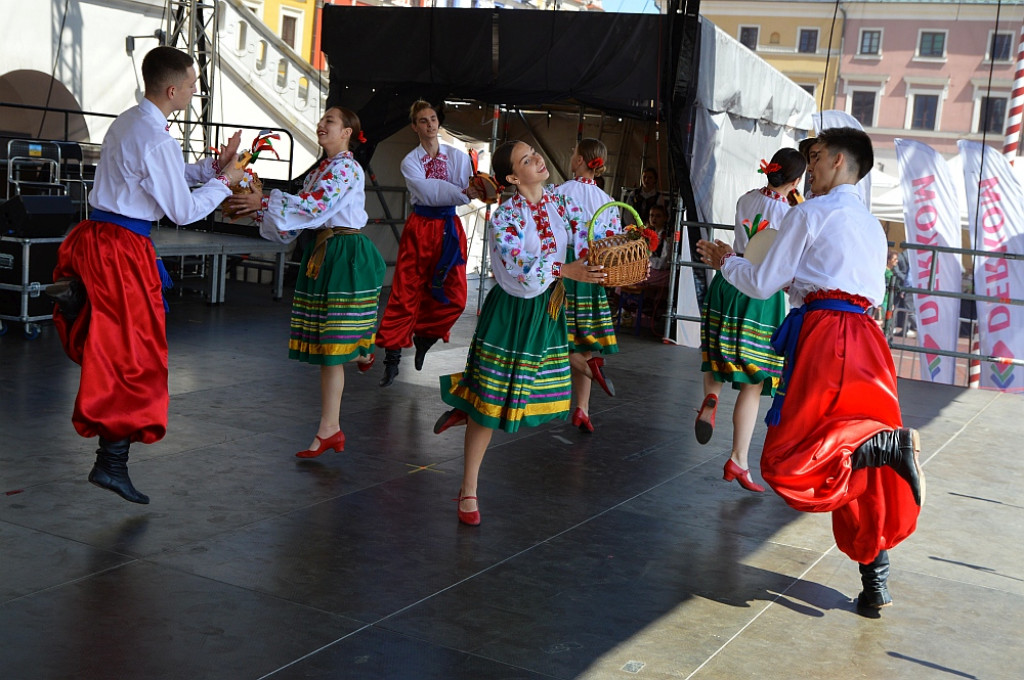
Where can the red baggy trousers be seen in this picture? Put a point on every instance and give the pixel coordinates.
(841, 393)
(411, 309)
(120, 337)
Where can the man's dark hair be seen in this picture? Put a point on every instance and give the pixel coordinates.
(805, 147)
(163, 67)
(852, 143)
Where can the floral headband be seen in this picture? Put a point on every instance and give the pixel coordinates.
(596, 163)
(767, 167)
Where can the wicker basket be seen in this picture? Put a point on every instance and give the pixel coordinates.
(254, 186)
(626, 261)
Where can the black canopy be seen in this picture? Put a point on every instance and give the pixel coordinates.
(383, 58)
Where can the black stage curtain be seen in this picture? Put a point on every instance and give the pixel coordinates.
(383, 58)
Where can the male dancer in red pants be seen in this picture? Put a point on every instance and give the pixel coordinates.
(428, 291)
(110, 309)
(836, 441)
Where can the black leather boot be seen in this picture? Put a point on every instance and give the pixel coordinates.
(898, 449)
(875, 579)
(69, 294)
(422, 346)
(391, 359)
(111, 471)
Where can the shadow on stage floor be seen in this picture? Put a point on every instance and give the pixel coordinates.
(616, 554)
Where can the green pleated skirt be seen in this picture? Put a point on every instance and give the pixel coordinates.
(735, 336)
(517, 370)
(334, 316)
(588, 318)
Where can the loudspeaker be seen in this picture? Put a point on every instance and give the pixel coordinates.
(36, 216)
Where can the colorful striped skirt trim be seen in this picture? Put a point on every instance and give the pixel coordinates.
(588, 318)
(517, 370)
(334, 315)
(735, 337)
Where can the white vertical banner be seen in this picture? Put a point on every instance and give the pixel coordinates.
(995, 208)
(932, 217)
(834, 118)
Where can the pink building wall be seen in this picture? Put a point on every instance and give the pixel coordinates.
(959, 79)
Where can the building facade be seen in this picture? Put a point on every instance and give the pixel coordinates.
(803, 40)
(934, 71)
(294, 21)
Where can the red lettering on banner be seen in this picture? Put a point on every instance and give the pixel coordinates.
(993, 221)
(926, 217)
(928, 312)
(989, 190)
(921, 189)
(998, 318)
(996, 269)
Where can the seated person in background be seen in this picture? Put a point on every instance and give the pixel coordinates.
(647, 194)
(657, 220)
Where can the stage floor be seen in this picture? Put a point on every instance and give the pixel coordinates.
(619, 554)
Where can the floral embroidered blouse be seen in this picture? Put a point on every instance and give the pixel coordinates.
(332, 196)
(528, 242)
(589, 197)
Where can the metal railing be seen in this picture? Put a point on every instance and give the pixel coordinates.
(895, 287)
(888, 323)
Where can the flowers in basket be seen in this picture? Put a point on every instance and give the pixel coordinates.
(250, 182)
(636, 232)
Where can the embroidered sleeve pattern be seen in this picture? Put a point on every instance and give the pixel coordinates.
(532, 270)
(323, 189)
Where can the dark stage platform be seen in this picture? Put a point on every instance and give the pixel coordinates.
(620, 554)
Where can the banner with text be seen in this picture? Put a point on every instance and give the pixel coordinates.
(995, 208)
(932, 217)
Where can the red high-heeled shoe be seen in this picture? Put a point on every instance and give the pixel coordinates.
(450, 418)
(733, 471)
(468, 518)
(702, 428)
(597, 370)
(367, 365)
(582, 421)
(336, 442)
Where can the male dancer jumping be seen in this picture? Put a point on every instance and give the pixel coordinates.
(428, 291)
(836, 441)
(110, 308)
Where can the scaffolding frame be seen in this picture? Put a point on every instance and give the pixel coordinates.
(192, 26)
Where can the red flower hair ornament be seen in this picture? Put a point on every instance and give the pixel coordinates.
(767, 167)
(361, 138)
(596, 163)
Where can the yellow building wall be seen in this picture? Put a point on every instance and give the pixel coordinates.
(270, 14)
(779, 26)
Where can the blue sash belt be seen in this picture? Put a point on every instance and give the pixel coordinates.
(451, 249)
(785, 339)
(141, 227)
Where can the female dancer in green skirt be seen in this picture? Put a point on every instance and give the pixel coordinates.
(736, 330)
(586, 305)
(334, 312)
(517, 371)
